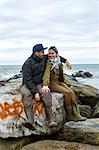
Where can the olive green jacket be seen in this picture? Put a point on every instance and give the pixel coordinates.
(50, 75)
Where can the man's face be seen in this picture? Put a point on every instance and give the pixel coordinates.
(39, 54)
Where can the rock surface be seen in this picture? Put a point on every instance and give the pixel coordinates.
(82, 131)
(14, 143)
(82, 74)
(58, 145)
(12, 116)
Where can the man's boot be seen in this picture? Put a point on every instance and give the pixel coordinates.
(30, 122)
(51, 122)
(73, 114)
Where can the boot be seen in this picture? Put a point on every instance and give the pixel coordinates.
(29, 125)
(73, 113)
(77, 115)
(51, 122)
(30, 118)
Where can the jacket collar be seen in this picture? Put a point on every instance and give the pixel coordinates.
(36, 58)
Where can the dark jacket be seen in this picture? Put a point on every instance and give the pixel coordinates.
(33, 70)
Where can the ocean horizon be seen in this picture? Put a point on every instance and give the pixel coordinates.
(8, 71)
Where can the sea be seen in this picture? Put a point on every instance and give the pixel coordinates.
(8, 71)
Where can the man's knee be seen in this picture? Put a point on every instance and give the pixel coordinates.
(25, 91)
(27, 96)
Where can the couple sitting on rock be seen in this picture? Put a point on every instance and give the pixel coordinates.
(43, 74)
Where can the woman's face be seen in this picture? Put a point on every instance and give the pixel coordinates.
(52, 54)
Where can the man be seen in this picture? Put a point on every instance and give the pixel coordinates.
(33, 70)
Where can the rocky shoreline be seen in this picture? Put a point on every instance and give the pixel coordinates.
(81, 132)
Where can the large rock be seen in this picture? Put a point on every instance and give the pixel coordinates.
(82, 74)
(59, 145)
(86, 93)
(12, 114)
(82, 131)
(14, 143)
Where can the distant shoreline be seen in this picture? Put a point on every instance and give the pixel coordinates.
(22, 64)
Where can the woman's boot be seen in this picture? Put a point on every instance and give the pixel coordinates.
(73, 114)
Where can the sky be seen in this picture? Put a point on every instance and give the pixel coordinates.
(70, 25)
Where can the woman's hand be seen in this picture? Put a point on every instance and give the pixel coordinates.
(45, 89)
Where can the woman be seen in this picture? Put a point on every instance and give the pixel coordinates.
(53, 80)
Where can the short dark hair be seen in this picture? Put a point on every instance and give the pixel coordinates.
(54, 49)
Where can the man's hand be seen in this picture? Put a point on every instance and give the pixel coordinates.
(37, 97)
(45, 89)
(69, 66)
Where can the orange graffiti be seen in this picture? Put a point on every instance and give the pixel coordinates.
(14, 109)
(38, 107)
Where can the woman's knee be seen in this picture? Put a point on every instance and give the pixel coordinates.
(67, 93)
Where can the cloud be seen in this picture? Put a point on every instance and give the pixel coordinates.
(78, 56)
(70, 25)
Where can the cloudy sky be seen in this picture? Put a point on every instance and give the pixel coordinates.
(70, 25)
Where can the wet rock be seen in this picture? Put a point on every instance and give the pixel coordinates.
(83, 74)
(15, 77)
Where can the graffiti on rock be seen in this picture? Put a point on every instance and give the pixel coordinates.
(16, 108)
(38, 107)
(13, 109)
